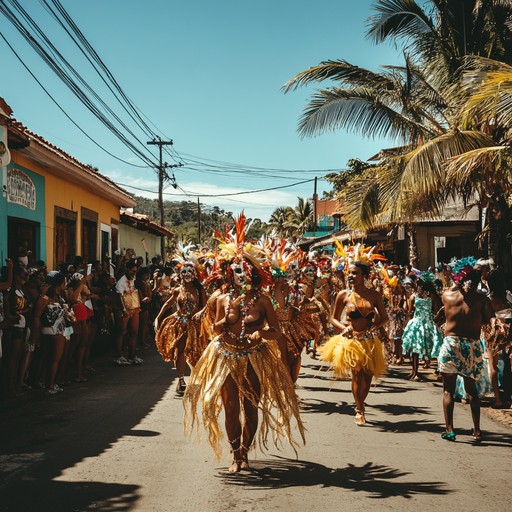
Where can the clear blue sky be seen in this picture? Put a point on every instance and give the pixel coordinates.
(208, 75)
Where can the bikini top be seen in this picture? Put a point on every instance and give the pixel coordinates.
(356, 314)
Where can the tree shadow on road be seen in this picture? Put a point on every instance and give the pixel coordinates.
(399, 410)
(44, 435)
(377, 480)
(60, 496)
(311, 405)
(410, 426)
(322, 388)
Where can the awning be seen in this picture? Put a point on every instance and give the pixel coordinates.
(341, 237)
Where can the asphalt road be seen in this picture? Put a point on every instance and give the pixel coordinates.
(116, 443)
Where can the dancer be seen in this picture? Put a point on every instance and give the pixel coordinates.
(285, 301)
(173, 333)
(461, 353)
(241, 369)
(421, 334)
(499, 337)
(357, 350)
(312, 313)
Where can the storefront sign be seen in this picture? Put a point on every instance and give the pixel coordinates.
(21, 189)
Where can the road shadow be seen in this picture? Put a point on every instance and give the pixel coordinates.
(489, 439)
(399, 410)
(384, 387)
(42, 435)
(312, 405)
(378, 481)
(69, 496)
(410, 426)
(321, 388)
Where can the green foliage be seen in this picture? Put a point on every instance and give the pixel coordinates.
(291, 222)
(181, 217)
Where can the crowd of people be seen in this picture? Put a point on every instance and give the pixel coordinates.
(241, 317)
(51, 320)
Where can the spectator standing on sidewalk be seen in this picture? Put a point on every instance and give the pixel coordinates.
(127, 315)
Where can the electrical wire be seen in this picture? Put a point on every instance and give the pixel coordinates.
(67, 79)
(192, 194)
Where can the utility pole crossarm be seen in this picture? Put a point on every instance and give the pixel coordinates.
(161, 178)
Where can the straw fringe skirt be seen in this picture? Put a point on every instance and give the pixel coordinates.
(277, 401)
(345, 355)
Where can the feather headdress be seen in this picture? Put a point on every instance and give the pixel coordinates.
(235, 248)
(280, 259)
(363, 255)
(391, 281)
(183, 254)
(462, 267)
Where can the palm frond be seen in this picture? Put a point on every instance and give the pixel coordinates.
(398, 19)
(359, 110)
(339, 71)
(424, 172)
(475, 168)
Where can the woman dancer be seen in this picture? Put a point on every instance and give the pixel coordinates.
(285, 302)
(421, 334)
(173, 332)
(358, 349)
(241, 369)
(312, 313)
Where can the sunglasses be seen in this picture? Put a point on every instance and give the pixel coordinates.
(238, 270)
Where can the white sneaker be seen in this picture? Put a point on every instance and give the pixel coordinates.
(121, 361)
(136, 360)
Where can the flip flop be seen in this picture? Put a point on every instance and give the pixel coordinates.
(449, 436)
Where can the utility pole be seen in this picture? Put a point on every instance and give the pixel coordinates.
(315, 199)
(198, 221)
(162, 176)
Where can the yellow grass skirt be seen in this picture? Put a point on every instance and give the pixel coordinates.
(277, 401)
(347, 354)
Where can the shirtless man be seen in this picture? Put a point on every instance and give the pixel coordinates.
(462, 352)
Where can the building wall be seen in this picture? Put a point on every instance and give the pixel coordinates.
(64, 194)
(35, 213)
(131, 238)
(462, 238)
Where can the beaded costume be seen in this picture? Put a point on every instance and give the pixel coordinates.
(177, 327)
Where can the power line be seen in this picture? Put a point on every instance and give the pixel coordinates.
(192, 194)
(67, 79)
(64, 112)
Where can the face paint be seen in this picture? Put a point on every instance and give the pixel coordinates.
(239, 275)
(187, 273)
(309, 272)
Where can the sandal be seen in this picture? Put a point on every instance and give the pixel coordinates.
(449, 436)
(477, 438)
(359, 419)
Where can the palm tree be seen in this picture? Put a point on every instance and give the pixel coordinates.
(280, 219)
(420, 104)
(301, 217)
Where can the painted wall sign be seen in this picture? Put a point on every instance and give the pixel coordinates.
(21, 189)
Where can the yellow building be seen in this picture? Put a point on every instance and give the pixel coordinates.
(55, 205)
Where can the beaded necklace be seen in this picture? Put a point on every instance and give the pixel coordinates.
(244, 309)
(289, 297)
(188, 307)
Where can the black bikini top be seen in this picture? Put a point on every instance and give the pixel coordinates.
(356, 314)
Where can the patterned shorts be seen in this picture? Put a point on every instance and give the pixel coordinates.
(463, 356)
